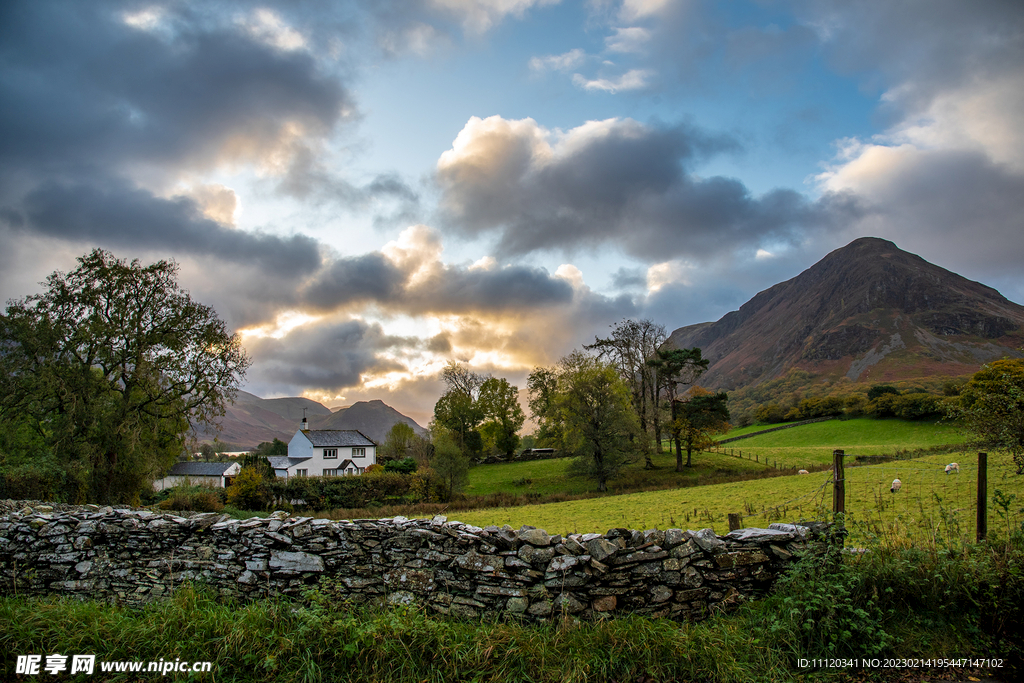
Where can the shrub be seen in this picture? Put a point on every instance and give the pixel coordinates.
(249, 491)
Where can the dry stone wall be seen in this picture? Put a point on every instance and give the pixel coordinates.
(134, 556)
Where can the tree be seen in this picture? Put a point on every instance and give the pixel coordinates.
(695, 420)
(275, 447)
(207, 452)
(499, 405)
(990, 408)
(632, 344)
(112, 365)
(457, 409)
(676, 368)
(449, 465)
(590, 408)
(397, 442)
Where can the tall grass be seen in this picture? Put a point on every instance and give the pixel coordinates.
(939, 601)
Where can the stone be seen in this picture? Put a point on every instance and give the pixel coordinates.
(661, 594)
(475, 562)
(540, 609)
(708, 541)
(535, 537)
(563, 563)
(516, 605)
(760, 535)
(600, 549)
(606, 603)
(566, 602)
(536, 556)
(283, 561)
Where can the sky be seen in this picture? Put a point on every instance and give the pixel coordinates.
(366, 190)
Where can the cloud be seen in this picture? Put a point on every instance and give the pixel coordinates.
(615, 181)
(565, 62)
(479, 16)
(634, 79)
(121, 216)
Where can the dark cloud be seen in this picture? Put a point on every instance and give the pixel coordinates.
(512, 288)
(83, 89)
(629, 278)
(123, 216)
(619, 182)
(370, 277)
(324, 357)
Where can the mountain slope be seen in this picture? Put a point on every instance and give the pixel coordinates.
(252, 420)
(372, 418)
(868, 312)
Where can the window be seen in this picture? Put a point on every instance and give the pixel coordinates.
(301, 473)
(330, 453)
(330, 473)
(358, 452)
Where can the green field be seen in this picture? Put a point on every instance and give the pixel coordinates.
(813, 444)
(930, 502)
(545, 477)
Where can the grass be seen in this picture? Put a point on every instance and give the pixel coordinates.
(893, 602)
(545, 477)
(813, 444)
(930, 503)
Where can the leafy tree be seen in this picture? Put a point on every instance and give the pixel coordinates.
(632, 344)
(542, 389)
(457, 409)
(397, 442)
(207, 452)
(991, 408)
(676, 368)
(695, 420)
(112, 365)
(590, 407)
(259, 463)
(499, 404)
(275, 447)
(449, 465)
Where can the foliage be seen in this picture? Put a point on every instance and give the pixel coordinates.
(457, 409)
(449, 464)
(631, 345)
(504, 417)
(881, 390)
(370, 489)
(397, 442)
(588, 405)
(111, 365)
(695, 420)
(258, 463)
(249, 491)
(991, 408)
(403, 466)
(275, 447)
(192, 498)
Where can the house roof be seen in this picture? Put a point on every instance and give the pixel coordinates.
(283, 462)
(199, 469)
(337, 437)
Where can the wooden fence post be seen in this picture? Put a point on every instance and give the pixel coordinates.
(838, 482)
(982, 517)
(735, 521)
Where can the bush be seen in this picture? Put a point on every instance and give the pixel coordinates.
(192, 498)
(404, 466)
(327, 493)
(249, 491)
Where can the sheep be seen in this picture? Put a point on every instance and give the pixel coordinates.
(803, 472)
(953, 467)
(896, 484)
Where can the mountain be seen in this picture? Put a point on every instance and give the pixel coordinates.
(373, 418)
(869, 312)
(252, 420)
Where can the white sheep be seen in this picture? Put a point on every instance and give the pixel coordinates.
(803, 472)
(896, 484)
(953, 467)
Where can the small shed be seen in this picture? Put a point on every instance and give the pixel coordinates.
(214, 474)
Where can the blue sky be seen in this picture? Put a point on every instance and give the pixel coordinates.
(366, 190)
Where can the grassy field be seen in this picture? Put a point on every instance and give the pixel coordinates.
(813, 444)
(551, 476)
(930, 504)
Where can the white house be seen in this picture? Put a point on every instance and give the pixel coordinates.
(325, 453)
(216, 474)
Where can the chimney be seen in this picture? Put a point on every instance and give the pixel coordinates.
(304, 426)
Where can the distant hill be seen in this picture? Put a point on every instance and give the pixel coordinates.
(252, 420)
(868, 312)
(373, 418)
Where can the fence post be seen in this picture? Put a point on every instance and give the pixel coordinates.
(735, 520)
(838, 482)
(982, 523)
